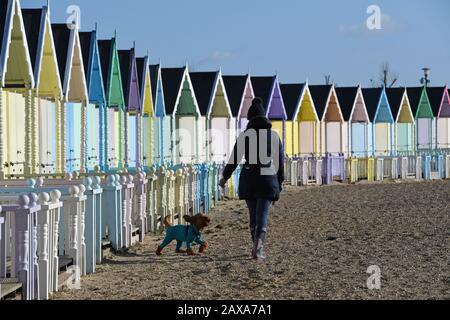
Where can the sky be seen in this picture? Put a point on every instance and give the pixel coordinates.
(298, 40)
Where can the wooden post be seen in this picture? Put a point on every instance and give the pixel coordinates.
(62, 141)
(28, 131)
(84, 153)
(2, 148)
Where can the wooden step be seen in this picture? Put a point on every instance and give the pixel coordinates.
(9, 288)
(64, 262)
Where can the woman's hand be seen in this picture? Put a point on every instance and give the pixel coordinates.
(222, 183)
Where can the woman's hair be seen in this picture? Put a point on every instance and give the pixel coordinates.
(257, 101)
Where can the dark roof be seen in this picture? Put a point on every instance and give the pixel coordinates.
(61, 37)
(320, 94)
(203, 84)
(435, 95)
(86, 44)
(372, 98)
(172, 79)
(414, 95)
(3, 14)
(347, 98)
(140, 66)
(125, 57)
(235, 87)
(154, 73)
(32, 22)
(263, 87)
(291, 94)
(395, 98)
(104, 50)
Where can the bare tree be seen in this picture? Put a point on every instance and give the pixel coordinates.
(386, 77)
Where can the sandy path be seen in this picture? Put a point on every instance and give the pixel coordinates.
(320, 244)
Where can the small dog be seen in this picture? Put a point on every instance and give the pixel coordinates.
(189, 234)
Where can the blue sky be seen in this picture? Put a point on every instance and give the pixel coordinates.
(297, 39)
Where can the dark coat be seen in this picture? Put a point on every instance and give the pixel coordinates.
(252, 183)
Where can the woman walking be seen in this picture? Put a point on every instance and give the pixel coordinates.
(262, 174)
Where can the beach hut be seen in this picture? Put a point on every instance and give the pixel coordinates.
(17, 105)
(403, 139)
(268, 89)
(440, 104)
(161, 132)
(380, 116)
(292, 97)
(356, 121)
(308, 126)
(182, 109)
(130, 85)
(96, 108)
(424, 117)
(72, 111)
(240, 96)
(145, 88)
(115, 104)
(47, 90)
(331, 120)
(216, 114)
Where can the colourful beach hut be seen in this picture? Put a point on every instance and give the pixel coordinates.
(423, 114)
(115, 104)
(96, 108)
(356, 121)
(130, 85)
(16, 90)
(331, 120)
(240, 96)
(216, 114)
(48, 90)
(403, 139)
(380, 116)
(440, 104)
(268, 89)
(145, 88)
(72, 120)
(161, 128)
(292, 97)
(182, 109)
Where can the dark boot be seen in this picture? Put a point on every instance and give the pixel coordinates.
(259, 246)
(253, 233)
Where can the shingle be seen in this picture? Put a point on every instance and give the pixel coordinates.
(203, 84)
(235, 87)
(347, 98)
(291, 94)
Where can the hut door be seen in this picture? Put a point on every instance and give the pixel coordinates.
(131, 152)
(306, 138)
(219, 139)
(382, 135)
(15, 121)
(333, 137)
(442, 133)
(186, 139)
(93, 122)
(73, 136)
(47, 138)
(358, 143)
(113, 131)
(424, 133)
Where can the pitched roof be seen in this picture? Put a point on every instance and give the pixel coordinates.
(172, 79)
(347, 98)
(414, 95)
(320, 94)
(141, 71)
(32, 19)
(86, 48)
(203, 84)
(263, 87)
(104, 50)
(154, 75)
(235, 87)
(125, 57)
(291, 94)
(372, 98)
(435, 95)
(61, 37)
(3, 16)
(395, 98)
